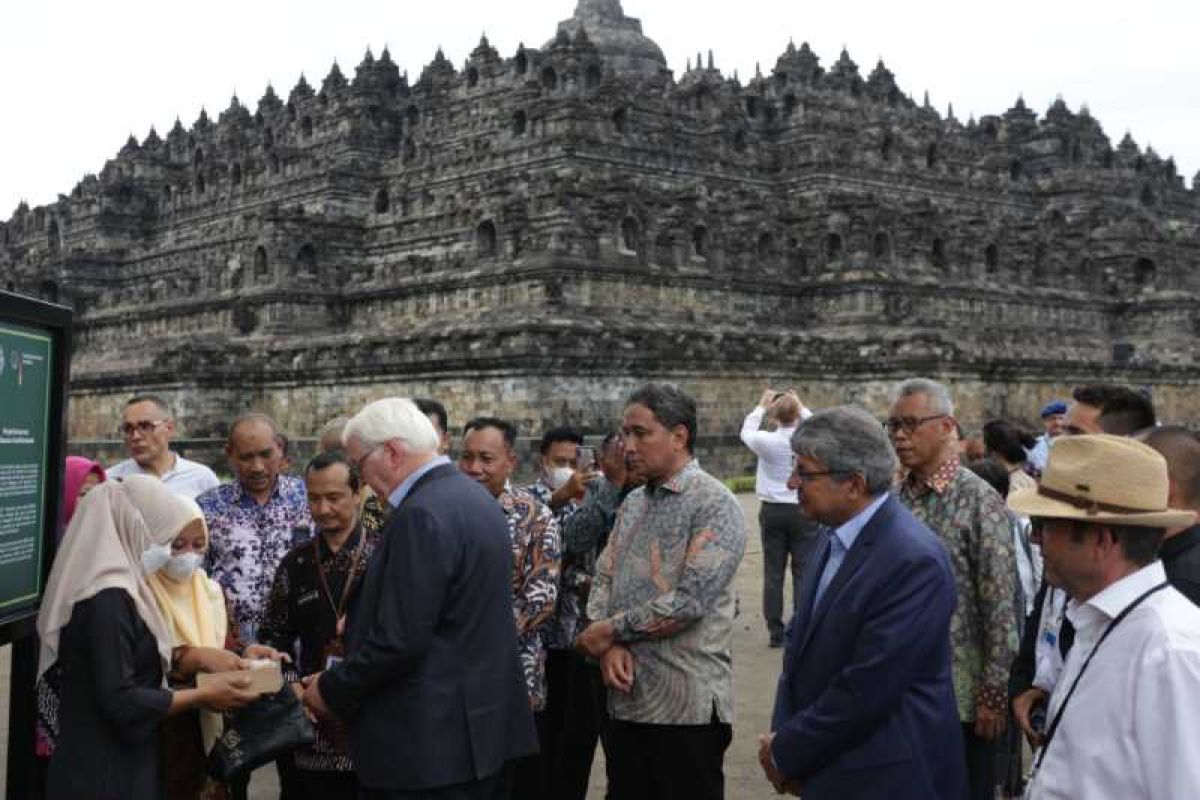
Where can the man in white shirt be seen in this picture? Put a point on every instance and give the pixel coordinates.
(147, 428)
(1121, 722)
(786, 532)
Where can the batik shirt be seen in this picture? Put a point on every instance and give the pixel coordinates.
(534, 535)
(301, 620)
(247, 541)
(971, 520)
(561, 629)
(665, 581)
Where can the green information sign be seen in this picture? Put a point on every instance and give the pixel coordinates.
(26, 381)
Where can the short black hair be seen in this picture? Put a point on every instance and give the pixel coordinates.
(560, 434)
(609, 440)
(1008, 440)
(432, 408)
(323, 461)
(670, 405)
(161, 404)
(1123, 410)
(506, 428)
(993, 473)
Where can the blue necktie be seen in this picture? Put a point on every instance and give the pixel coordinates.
(837, 554)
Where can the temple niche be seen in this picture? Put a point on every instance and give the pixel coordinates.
(532, 234)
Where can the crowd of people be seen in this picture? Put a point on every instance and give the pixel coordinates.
(451, 634)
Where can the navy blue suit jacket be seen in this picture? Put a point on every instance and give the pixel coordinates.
(431, 688)
(865, 705)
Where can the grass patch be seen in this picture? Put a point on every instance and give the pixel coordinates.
(740, 484)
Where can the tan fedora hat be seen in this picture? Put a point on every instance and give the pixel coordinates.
(1102, 478)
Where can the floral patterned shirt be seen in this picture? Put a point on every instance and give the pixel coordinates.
(535, 543)
(247, 541)
(563, 626)
(972, 521)
(665, 581)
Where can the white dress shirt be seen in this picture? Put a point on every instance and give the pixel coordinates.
(187, 478)
(774, 451)
(1131, 731)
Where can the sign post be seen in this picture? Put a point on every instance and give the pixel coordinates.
(34, 357)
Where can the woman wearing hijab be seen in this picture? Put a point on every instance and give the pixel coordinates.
(101, 624)
(193, 607)
(81, 476)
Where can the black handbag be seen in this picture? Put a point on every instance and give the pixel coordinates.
(259, 733)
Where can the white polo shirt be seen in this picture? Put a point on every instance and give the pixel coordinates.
(187, 478)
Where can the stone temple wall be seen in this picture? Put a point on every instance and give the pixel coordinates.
(534, 235)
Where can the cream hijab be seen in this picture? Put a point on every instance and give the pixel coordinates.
(194, 610)
(102, 549)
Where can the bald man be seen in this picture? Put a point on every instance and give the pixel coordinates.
(253, 521)
(1180, 550)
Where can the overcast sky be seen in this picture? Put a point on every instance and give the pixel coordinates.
(81, 75)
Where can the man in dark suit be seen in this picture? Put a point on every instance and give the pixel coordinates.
(430, 687)
(865, 705)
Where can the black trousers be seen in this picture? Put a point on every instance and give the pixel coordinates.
(529, 778)
(572, 724)
(981, 764)
(786, 535)
(494, 787)
(667, 762)
(325, 785)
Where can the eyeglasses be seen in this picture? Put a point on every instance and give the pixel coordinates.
(358, 462)
(909, 424)
(807, 477)
(145, 427)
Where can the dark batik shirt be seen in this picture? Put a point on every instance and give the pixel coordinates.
(560, 630)
(971, 519)
(534, 535)
(301, 620)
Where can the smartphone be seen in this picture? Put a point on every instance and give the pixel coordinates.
(587, 459)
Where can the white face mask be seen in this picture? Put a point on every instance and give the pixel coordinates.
(156, 557)
(557, 477)
(181, 567)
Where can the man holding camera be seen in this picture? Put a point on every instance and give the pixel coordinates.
(786, 532)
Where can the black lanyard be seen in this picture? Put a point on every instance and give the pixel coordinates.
(340, 608)
(1058, 716)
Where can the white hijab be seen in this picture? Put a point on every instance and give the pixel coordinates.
(102, 549)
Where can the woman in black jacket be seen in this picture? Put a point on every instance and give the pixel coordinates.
(100, 624)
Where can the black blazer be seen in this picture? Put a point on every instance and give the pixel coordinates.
(431, 688)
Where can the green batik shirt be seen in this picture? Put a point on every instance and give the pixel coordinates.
(665, 580)
(970, 518)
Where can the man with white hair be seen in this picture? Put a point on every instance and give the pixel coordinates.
(430, 641)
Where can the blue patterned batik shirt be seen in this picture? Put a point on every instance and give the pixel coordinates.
(246, 542)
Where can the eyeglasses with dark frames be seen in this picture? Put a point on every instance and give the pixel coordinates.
(909, 424)
(145, 427)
